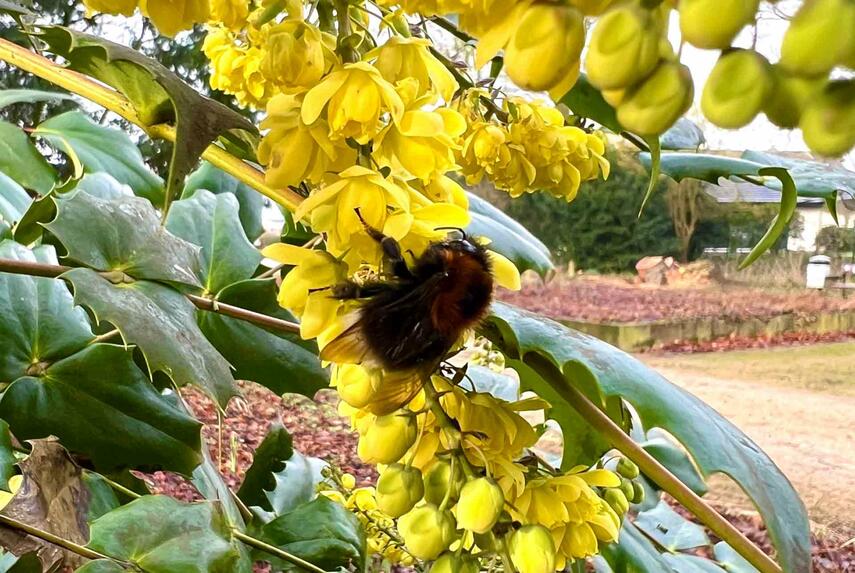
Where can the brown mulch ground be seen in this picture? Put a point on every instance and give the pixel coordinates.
(319, 431)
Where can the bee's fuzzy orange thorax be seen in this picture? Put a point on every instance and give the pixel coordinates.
(465, 295)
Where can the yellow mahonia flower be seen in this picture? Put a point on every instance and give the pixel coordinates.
(231, 13)
(294, 152)
(172, 16)
(236, 69)
(123, 7)
(443, 189)
(296, 56)
(400, 58)
(355, 97)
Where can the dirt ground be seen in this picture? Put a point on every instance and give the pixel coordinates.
(798, 404)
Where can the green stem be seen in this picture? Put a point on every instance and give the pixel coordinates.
(275, 551)
(54, 539)
(651, 467)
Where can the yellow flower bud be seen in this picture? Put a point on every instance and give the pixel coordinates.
(737, 88)
(544, 50)
(713, 24)
(438, 479)
(387, 439)
(655, 104)
(348, 481)
(480, 505)
(828, 122)
(451, 563)
(820, 36)
(399, 489)
(354, 384)
(427, 531)
(789, 96)
(532, 550)
(624, 48)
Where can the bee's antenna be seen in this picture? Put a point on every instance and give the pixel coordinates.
(458, 229)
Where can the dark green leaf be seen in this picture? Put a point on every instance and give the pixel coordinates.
(508, 237)
(691, 564)
(279, 361)
(9, 97)
(715, 444)
(218, 181)
(670, 529)
(634, 553)
(321, 532)
(655, 160)
(40, 322)
(161, 321)
(5, 230)
(294, 233)
(789, 201)
(732, 561)
(14, 200)
(157, 94)
(585, 100)
(296, 484)
(162, 535)
(685, 134)
(210, 484)
(100, 149)
(7, 456)
(21, 161)
(677, 461)
(211, 222)
(123, 234)
(102, 496)
(269, 458)
(101, 566)
(30, 228)
(26, 563)
(100, 404)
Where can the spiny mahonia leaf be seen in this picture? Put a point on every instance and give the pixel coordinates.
(322, 532)
(685, 134)
(123, 234)
(671, 529)
(101, 405)
(7, 456)
(282, 362)
(40, 322)
(715, 444)
(586, 101)
(680, 563)
(676, 460)
(14, 200)
(209, 482)
(161, 535)
(101, 566)
(812, 178)
(13, 96)
(633, 553)
(211, 222)
(99, 149)
(26, 563)
(21, 161)
(157, 94)
(270, 457)
(507, 236)
(218, 181)
(102, 497)
(161, 321)
(296, 484)
(730, 560)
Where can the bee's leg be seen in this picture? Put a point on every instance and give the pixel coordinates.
(391, 249)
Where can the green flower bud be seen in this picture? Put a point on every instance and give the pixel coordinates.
(438, 479)
(399, 489)
(532, 550)
(713, 24)
(617, 501)
(624, 48)
(820, 37)
(544, 50)
(387, 439)
(427, 531)
(627, 468)
(451, 563)
(480, 505)
(828, 122)
(789, 96)
(626, 486)
(655, 104)
(637, 492)
(737, 88)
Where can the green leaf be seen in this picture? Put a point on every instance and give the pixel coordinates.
(13, 8)
(730, 560)
(507, 236)
(691, 564)
(157, 94)
(789, 202)
(294, 233)
(715, 444)
(102, 497)
(26, 563)
(5, 230)
(677, 461)
(279, 361)
(655, 161)
(40, 322)
(812, 178)
(494, 383)
(685, 134)
(671, 529)
(585, 100)
(13, 96)
(101, 566)
(296, 484)
(7, 457)
(124, 235)
(161, 321)
(218, 181)
(14, 200)
(21, 161)
(162, 535)
(100, 404)
(209, 482)
(211, 222)
(100, 149)
(322, 532)
(634, 553)
(269, 458)
(103, 186)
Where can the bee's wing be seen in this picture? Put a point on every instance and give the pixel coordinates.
(349, 347)
(395, 391)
